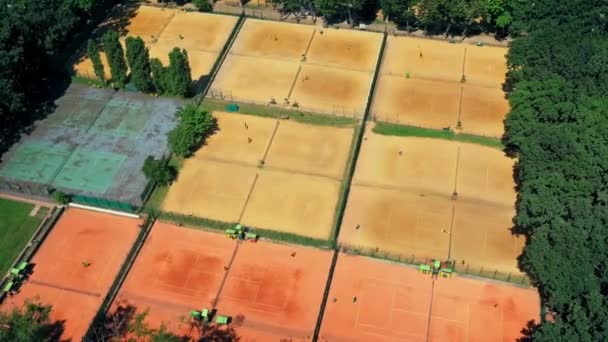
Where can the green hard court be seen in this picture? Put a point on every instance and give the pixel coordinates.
(121, 118)
(89, 170)
(36, 162)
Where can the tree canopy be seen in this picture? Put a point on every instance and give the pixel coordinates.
(30, 323)
(193, 128)
(558, 129)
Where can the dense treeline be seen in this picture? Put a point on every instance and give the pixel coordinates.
(434, 16)
(558, 128)
(35, 38)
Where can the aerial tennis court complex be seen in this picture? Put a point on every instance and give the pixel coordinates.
(307, 68)
(94, 144)
(425, 198)
(270, 291)
(372, 300)
(76, 265)
(435, 84)
(202, 35)
(266, 173)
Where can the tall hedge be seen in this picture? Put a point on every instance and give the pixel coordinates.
(93, 52)
(116, 57)
(178, 75)
(139, 63)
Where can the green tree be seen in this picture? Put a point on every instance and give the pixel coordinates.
(30, 323)
(116, 57)
(192, 130)
(401, 12)
(203, 5)
(159, 171)
(178, 75)
(139, 63)
(333, 9)
(159, 75)
(93, 52)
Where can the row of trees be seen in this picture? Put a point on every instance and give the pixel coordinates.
(558, 128)
(447, 16)
(147, 75)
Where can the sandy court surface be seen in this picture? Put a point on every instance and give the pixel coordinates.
(272, 39)
(353, 50)
(201, 62)
(198, 31)
(178, 270)
(472, 310)
(275, 291)
(59, 278)
(416, 102)
(293, 203)
(483, 110)
(231, 142)
(481, 237)
(331, 90)
(485, 174)
(84, 67)
(486, 65)
(149, 22)
(250, 79)
(399, 222)
(312, 149)
(427, 166)
(392, 302)
(210, 189)
(440, 60)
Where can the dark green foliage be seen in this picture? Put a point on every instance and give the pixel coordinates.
(400, 12)
(61, 197)
(159, 171)
(159, 75)
(178, 76)
(194, 127)
(93, 52)
(116, 57)
(203, 5)
(30, 323)
(558, 127)
(139, 63)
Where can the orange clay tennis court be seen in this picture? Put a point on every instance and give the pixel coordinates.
(61, 279)
(331, 90)
(196, 31)
(465, 309)
(402, 203)
(310, 149)
(423, 59)
(211, 189)
(148, 22)
(273, 292)
(293, 203)
(392, 302)
(486, 65)
(270, 39)
(483, 110)
(373, 300)
(242, 139)
(419, 165)
(416, 102)
(177, 270)
(257, 80)
(349, 49)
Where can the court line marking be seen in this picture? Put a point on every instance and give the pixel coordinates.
(63, 288)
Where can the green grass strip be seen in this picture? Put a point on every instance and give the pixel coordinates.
(411, 131)
(277, 112)
(16, 229)
(89, 82)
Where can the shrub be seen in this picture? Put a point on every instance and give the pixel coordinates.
(159, 171)
(139, 63)
(194, 127)
(93, 52)
(178, 77)
(203, 5)
(60, 197)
